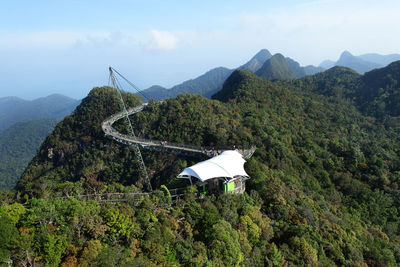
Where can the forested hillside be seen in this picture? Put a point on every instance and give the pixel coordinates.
(13, 109)
(23, 127)
(324, 187)
(377, 93)
(18, 145)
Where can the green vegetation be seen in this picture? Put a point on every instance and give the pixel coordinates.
(324, 188)
(206, 85)
(14, 109)
(377, 93)
(276, 68)
(380, 92)
(18, 145)
(77, 149)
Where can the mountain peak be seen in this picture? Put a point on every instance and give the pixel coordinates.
(345, 55)
(262, 55)
(278, 56)
(356, 63)
(256, 61)
(276, 68)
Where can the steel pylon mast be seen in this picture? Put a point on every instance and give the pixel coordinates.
(128, 124)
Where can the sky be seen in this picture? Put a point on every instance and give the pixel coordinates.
(66, 47)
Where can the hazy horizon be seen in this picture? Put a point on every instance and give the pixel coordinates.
(66, 47)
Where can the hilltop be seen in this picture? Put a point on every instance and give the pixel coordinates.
(276, 68)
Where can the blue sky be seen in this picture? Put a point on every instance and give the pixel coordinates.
(66, 46)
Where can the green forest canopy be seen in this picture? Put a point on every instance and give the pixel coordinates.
(324, 188)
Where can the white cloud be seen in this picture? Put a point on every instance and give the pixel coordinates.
(44, 39)
(163, 40)
(62, 40)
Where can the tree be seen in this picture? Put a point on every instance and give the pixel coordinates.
(8, 236)
(14, 211)
(90, 253)
(53, 249)
(224, 247)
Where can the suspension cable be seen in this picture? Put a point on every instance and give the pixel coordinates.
(131, 84)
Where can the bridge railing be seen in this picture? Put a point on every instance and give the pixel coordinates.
(134, 198)
(207, 150)
(182, 146)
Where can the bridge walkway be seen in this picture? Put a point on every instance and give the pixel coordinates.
(157, 145)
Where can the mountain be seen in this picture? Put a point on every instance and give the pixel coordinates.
(277, 68)
(206, 85)
(13, 109)
(75, 146)
(362, 63)
(361, 66)
(339, 82)
(383, 60)
(23, 126)
(212, 81)
(376, 93)
(256, 62)
(298, 70)
(156, 92)
(327, 64)
(18, 145)
(323, 191)
(379, 93)
(311, 70)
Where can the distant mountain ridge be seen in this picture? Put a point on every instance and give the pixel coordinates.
(212, 81)
(358, 64)
(383, 60)
(362, 63)
(14, 109)
(207, 84)
(270, 67)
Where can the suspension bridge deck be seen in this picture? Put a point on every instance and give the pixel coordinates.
(158, 145)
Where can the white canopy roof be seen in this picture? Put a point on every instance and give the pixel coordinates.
(228, 164)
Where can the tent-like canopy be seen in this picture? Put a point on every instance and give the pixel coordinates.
(228, 164)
